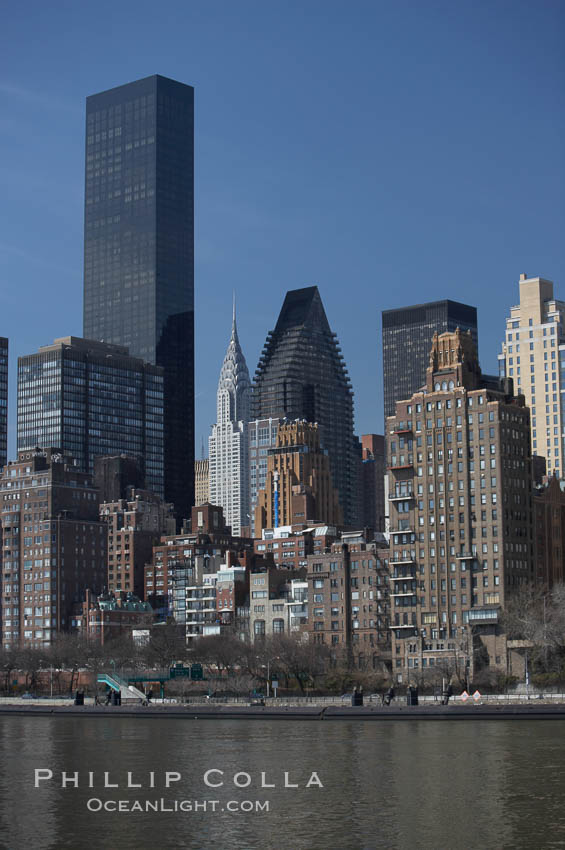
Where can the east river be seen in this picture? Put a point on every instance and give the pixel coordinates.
(410, 785)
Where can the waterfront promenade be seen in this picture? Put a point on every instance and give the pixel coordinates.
(534, 709)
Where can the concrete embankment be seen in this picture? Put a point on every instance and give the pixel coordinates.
(272, 712)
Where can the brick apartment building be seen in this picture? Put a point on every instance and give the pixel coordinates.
(348, 601)
(53, 545)
(549, 525)
(288, 546)
(134, 524)
(461, 524)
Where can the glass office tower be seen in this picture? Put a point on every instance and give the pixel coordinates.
(91, 399)
(407, 342)
(139, 247)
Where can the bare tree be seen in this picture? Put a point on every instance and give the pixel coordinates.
(8, 664)
(306, 661)
(537, 615)
(166, 645)
(30, 660)
(224, 652)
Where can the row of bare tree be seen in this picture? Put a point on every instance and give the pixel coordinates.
(537, 617)
(229, 662)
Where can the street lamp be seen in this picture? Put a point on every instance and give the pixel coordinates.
(275, 658)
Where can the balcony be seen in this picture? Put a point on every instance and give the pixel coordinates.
(402, 428)
(394, 593)
(402, 462)
(466, 556)
(411, 626)
(411, 575)
(401, 560)
(481, 615)
(397, 496)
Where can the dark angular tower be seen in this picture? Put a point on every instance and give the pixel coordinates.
(139, 247)
(407, 340)
(301, 375)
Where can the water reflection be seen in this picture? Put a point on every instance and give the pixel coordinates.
(420, 784)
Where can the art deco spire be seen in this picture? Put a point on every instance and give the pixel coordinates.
(234, 386)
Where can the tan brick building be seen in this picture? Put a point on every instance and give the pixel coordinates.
(532, 355)
(201, 481)
(299, 484)
(461, 525)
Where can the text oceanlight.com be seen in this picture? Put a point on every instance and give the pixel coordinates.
(95, 804)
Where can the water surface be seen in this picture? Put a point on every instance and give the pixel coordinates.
(403, 785)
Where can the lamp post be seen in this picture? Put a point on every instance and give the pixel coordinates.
(275, 658)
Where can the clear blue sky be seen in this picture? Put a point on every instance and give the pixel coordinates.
(390, 152)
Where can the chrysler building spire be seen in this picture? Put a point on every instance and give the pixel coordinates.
(229, 486)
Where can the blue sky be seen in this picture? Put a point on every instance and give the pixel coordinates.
(390, 153)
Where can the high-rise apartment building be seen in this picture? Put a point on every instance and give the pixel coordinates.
(299, 484)
(134, 525)
(92, 399)
(407, 340)
(139, 247)
(262, 437)
(228, 443)
(302, 375)
(549, 530)
(373, 482)
(201, 481)
(533, 355)
(460, 494)
(3, 401)
(53, 546)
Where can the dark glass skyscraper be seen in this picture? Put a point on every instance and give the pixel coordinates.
(3, 401)
(407, 342)
(91, 399)
(301, 375)
(139, 247)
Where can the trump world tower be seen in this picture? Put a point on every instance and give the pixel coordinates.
(139, 247)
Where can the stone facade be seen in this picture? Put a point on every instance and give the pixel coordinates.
(461, 523)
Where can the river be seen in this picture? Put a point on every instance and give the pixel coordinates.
(406, 785)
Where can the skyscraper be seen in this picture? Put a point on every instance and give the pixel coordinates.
(299, 486)
(92, 399)
(302, 375)
(407, 340)
(3, 401)
(139, 247)
(533, 355)
(460, 497)
(228, 444)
